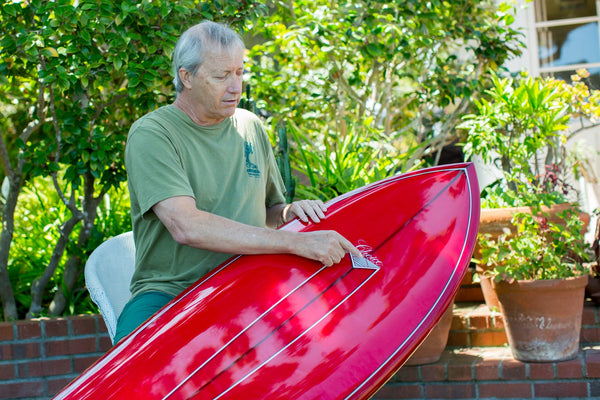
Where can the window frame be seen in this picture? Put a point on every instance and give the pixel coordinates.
(533, 40)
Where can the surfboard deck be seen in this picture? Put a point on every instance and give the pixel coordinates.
(284, 327)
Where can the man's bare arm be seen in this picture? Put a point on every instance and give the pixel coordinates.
(192, 227)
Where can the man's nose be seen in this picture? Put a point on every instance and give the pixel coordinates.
(235, 85)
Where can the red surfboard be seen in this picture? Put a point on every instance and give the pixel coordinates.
(284, 327)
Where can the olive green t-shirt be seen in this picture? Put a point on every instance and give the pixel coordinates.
(229, 169)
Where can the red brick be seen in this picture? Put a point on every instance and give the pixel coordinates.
(7, 371)
(488, 339)
(560, 389)
(80, 364)
(56, 385)
(459, 372)
(104, 344)
(458, 339)
(592, 363)
(83, 324)
(541, 371)
(589, 335)
(72, 346)
(56, 327)
(459, 323)
(20, 351)
(505, 390)
(19, 390)
(6, 352)
(102, 325)
(28, 329)
(487, 370)
(45, 368)
(512, 370)
(595, 389)
(457, 357)
(407, 374)
(434, 372)
(589, 315)
(450, 391)
(6, 331)
(397, 392)
(497, 321)
(479, 322)
(570, 369)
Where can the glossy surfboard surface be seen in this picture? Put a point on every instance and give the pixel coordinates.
(284, 327)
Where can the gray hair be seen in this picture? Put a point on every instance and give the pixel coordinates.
(193, 44)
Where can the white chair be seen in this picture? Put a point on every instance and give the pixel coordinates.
(108, 273)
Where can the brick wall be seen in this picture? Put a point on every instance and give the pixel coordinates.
(39, 357)
(478, 364)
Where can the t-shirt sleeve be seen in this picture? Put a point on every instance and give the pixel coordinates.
(275, 187)
(154, 168)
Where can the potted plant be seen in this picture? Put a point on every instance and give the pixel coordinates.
(539, 277)
(522, 128)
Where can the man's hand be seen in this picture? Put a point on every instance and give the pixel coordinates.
(327, 247)
(305, 210)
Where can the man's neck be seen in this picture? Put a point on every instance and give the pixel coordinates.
(191, 112)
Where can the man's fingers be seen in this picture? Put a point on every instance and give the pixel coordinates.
(306, 210)
(338, 250)
(315, 214)
(350, 248)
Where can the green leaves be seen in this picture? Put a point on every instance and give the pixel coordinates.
(86, 59)
(342, 163)
(540, 247)
(393, 64)
(522, 126)
(75, 75)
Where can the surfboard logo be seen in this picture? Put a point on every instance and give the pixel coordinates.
(371, 261)
(251, 168)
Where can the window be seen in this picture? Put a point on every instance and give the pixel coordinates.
(568, 38)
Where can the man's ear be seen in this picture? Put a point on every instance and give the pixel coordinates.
(185, 77)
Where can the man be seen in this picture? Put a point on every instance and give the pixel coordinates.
(203, 181)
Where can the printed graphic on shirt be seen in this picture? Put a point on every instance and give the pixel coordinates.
(251, 168)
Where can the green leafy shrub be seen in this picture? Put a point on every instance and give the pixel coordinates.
(538, 248)
(38, 221)
(522, 127)
(401, 72)
(338, 164)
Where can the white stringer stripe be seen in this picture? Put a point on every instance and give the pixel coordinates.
(242, 332)
(298, 337)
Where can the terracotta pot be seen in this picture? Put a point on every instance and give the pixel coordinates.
(493, 221)
(489, 295)
(431, 349)
(542, 317)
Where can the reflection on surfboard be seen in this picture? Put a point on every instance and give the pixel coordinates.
(284, 327)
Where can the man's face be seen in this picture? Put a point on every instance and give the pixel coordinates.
(217, 86)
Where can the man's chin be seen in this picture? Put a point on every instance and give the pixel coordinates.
(229, 108)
